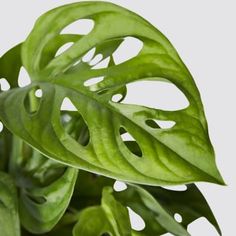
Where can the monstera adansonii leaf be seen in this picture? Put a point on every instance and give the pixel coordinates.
(9, 219)
(111, 218)
(176, 155)
(10, 65)
(156, 205)
(45, 187)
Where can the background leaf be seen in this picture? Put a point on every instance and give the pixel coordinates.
(45, 187)
(111, 218)
(9, 219)
(156, 205)
(10, 64)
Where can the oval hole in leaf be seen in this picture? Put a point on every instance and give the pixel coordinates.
(63, 48)
(39, 93)
(130, 142)
(176, 188)
(178, 217)
(117, 97)
(202, 227)
(127, 50)
(75, 126)
(93, 81)
(31, 102)
(137, 223)
(81, 26)
(24, 79)
(161, 95)
(4, 85)
(89, 55)
(96, 60)
(163, 124)
(102, 65)
(119, 186)
(1, 126)
(67, 105)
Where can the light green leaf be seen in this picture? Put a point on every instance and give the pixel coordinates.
(9, 219)
(45, 187)
(111, 218)
(180, 154)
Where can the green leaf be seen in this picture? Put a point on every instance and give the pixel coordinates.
(9, 219)
(177, 155)
(10, 64)
(45, 186)
(111, 218)
(156, 205)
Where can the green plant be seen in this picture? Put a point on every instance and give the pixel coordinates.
(58, 167)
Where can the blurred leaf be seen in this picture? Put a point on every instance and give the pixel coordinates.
(9, 219)
(45, 186)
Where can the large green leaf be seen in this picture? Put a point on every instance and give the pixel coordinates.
(180, 154)
(45, 187)
(9, 219)
(111, 218)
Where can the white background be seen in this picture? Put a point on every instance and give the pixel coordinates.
(203, 32)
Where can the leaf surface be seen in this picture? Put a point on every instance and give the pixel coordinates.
(10, 64)
(46, 187)
(181, 154)
(9, 219)
(156, 205)
(111, 218)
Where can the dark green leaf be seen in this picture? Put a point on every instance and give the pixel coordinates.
(10, 64)
(156, 205)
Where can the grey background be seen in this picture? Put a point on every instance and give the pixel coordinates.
(203, 32)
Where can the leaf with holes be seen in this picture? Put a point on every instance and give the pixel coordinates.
(123, 141)
(9, 219)
(110, 218)
(45, 187)
(10, 64)
(156, 205)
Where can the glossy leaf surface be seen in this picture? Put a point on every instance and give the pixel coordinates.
(180, 154)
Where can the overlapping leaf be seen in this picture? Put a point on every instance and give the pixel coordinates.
(181, 154)
(157, 206)
(45, 187)
(10, 65)
(9, 219)
(111, 218)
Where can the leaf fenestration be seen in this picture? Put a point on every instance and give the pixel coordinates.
(180, 154)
